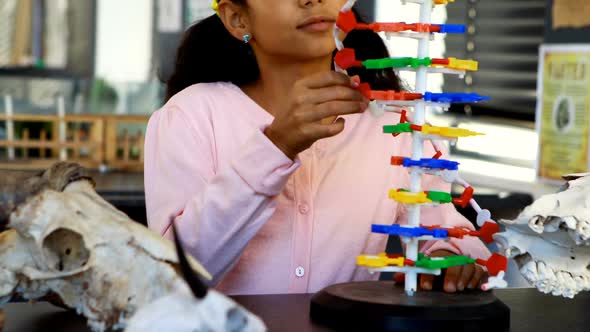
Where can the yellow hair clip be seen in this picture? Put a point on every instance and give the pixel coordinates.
(215, 6)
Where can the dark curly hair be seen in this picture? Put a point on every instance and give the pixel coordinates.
(209, 53)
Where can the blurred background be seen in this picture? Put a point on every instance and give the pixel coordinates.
(80, 78)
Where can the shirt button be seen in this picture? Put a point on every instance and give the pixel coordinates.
(303, 208)
(300, 272)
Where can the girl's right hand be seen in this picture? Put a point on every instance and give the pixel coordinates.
(312, 111)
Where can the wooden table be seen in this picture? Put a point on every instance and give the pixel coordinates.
(531, 311)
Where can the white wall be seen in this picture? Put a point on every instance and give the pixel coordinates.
(124, 40)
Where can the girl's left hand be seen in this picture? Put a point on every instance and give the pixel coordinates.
(457, 278)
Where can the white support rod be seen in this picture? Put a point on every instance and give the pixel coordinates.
(418, 147)
(9, 109)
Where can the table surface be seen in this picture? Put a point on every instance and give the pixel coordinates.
(530, 311)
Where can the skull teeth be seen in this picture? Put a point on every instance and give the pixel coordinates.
(537, 224)
(557, 283)
(583, 230)
(578, 230)
(529, 271)
(570, 222)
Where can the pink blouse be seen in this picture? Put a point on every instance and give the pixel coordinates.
(262, 223)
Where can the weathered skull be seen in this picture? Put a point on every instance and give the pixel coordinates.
(201, 310)
(75, 245)
(550, 240)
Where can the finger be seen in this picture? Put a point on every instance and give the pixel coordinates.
(334, 108)
(452, 278)
(328, 78)
(441, 253)
(478, 276)
(466, 275)
(426, 281)
(319, 96)
(399, 277)
(317, 131)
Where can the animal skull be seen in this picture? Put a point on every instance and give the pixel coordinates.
(75, 245)
(550, 240)
(182, 312)
(200, 311)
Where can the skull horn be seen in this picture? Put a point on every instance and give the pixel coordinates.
(10, 199)
(17, 187)
(192, 278)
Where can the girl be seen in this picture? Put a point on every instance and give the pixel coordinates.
(252, 160)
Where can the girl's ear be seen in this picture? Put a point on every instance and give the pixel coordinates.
(234, 18)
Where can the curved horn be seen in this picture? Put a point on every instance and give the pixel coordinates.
(61, 174)
(17, 186)
(12, 194)
(193, 280)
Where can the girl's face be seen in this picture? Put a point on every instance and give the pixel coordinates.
(293, 29)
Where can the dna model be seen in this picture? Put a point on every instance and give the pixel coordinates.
(414, 123)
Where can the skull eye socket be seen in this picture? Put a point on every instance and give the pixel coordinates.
(65, 250)
(237, 320)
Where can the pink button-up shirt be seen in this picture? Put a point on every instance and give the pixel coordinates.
(262, 223)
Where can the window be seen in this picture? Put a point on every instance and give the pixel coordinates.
(504, 36)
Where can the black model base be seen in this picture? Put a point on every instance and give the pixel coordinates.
(385, 306)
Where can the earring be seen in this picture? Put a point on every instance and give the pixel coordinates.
(215, 6)
(246, 38)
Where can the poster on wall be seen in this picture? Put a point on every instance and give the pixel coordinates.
(563, 110)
